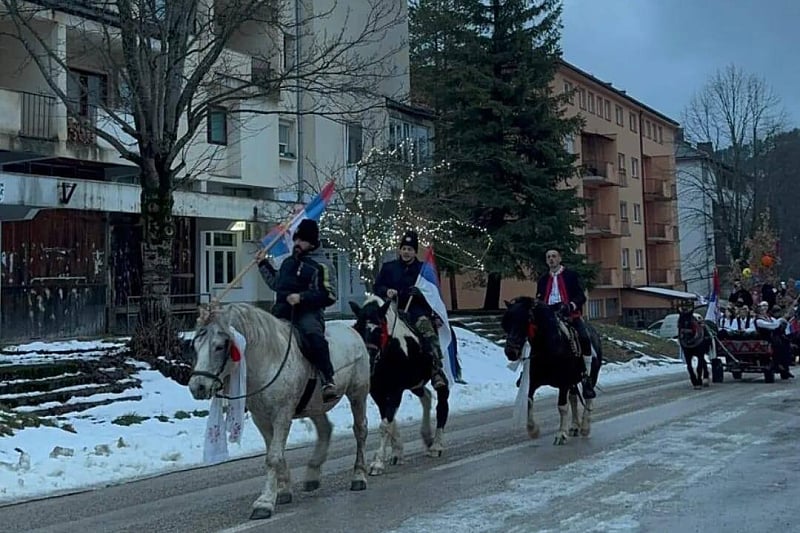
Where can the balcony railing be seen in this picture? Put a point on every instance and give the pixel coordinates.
(608, 277)
(600, 173)
(660, 232)
(658, 189)
(661, 276)
(627, 278)
(602, 225)
(36, 116)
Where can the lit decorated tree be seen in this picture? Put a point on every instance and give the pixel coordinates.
(386, 196)
(763, 252)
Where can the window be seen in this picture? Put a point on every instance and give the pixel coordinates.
(569, 144)
(285, 144)
(220, 251)
(87, 90)
(634, 167)
(288, 51)
(621, 161)
(217, 127)
(591, 102)
(626, 258)
(568, 91)
(648, 132)
(623, 211)
(661, 135)
(639, 259)
(634, 122)
(612, 307)
(608, 110)
(582, 98)
(410, 139)
(620, 115)
(594, 309)
(355, 143)
(637, 213)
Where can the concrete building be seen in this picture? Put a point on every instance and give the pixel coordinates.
(627, 172)
(71, 256)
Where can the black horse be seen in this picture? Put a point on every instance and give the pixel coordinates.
(398, 362)
(695, 339)
(555, 360)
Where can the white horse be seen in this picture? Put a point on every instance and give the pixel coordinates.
(277, 376)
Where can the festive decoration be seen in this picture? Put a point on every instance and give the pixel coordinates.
(763, 251)
(383, 200)
(767, 261)
(747, 273)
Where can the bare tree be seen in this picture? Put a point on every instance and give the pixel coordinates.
(381, 198)
(738, 113)
(172, 67)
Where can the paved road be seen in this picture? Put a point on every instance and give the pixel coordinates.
(662, 457)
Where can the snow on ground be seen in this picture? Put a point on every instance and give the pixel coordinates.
(45, 461)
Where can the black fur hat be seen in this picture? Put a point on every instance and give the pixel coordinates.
(308, 230)
(410, 239)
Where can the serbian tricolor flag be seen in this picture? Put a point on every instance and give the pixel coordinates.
(279, 241)
(713, 312)
(428, 285)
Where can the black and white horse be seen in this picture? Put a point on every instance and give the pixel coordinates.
(397, 363)
(696, 341)
(553, 361)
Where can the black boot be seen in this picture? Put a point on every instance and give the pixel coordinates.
(329, 393)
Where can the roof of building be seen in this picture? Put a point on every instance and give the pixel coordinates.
(619, 92)
(668, 293)
(414, 110)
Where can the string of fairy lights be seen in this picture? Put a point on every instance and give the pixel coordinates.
(374, 211)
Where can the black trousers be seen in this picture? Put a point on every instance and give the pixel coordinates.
(311, 326)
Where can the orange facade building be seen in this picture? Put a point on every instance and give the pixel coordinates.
(627, 172)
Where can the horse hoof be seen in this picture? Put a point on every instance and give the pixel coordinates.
(260, 514)
(396, 460)
(560, 440)
(697, 387)
(284, 498)
(358, 484)
(310, 486)
(435, 453)
(533, 432)
(376, 471)
(573, 432)
(585, 432)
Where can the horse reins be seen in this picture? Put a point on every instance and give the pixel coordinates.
(261, 389)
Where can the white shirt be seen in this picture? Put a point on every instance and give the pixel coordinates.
(555, 294)
(769, 323)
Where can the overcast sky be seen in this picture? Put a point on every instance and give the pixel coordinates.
(662, 51)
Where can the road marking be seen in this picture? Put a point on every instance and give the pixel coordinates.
(481, 456)
(256, 523)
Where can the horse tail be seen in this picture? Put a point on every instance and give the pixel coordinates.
(597, 342)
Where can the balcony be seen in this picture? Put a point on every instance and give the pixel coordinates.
(599, 174)
(608, 277)
(601, 225)
(627, 278)
(660, 233)
(656, 189)
(662, 276)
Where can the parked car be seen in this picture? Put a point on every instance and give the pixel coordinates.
(667, 327)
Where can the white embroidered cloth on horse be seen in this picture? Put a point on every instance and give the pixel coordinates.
(221, 425)
(520, 416)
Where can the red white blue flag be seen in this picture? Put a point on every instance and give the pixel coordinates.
(428, 285)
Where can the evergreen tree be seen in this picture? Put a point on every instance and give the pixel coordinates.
(486, 66)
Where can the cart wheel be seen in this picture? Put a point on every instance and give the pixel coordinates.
(769, 376)
(737, 375)
(717, 371)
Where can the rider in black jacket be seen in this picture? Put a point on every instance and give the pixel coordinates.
(398, 279)
(305, 282)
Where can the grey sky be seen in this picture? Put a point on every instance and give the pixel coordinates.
(662, 51)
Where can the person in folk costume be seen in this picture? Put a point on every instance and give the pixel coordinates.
(305, 283)
(397, 280)
(774, 330)
(561, 289)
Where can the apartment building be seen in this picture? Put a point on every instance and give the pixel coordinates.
(69, 205)
(627, 174)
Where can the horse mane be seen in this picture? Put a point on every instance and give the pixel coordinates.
(392, 319)
(256, 325)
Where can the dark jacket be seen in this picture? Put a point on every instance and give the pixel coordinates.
(575, 294)
(741, 294)
(310, 275)
(402, 277)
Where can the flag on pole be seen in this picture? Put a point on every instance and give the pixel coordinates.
(428, 285)
(279, 240)
(713, 311)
